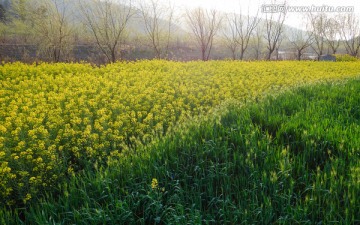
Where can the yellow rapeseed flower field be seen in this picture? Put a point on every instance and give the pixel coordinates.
(56, 119)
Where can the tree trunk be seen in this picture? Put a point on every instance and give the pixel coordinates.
(242, 55)
(233, 53)
(113, 56)
(203, 54)
(269, 54)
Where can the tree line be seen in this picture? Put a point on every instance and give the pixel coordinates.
(116, 27)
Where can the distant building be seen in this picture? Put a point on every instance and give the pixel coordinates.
(327, 57)
(292, 55)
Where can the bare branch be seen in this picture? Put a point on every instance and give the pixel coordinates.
(108, 22)
(204, 25)
(300, 40)
(332, 33)
(350, 33)
(316, 26)
(158, 20)
(274, 29)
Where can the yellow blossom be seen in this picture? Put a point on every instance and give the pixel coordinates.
(154, 183)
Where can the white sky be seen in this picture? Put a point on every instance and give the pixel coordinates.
(292, 19)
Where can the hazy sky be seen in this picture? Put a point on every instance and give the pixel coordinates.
(293, 19)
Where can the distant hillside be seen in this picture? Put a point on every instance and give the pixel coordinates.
(136, 24)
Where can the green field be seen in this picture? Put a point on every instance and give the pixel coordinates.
(283, 149)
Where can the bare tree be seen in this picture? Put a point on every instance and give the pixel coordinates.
(245, 28)
(317, 23)
(47, 23)
(231, 35)
(21, 25)
(158, 20)
(350, 33)
(204, 25)
(277, 47)
(241, 29)
(108, 22)
(274, 29)
(3, 32)
(258, 41)
(300, 40)
(19, 9)
(54, 28)
(332, 33)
